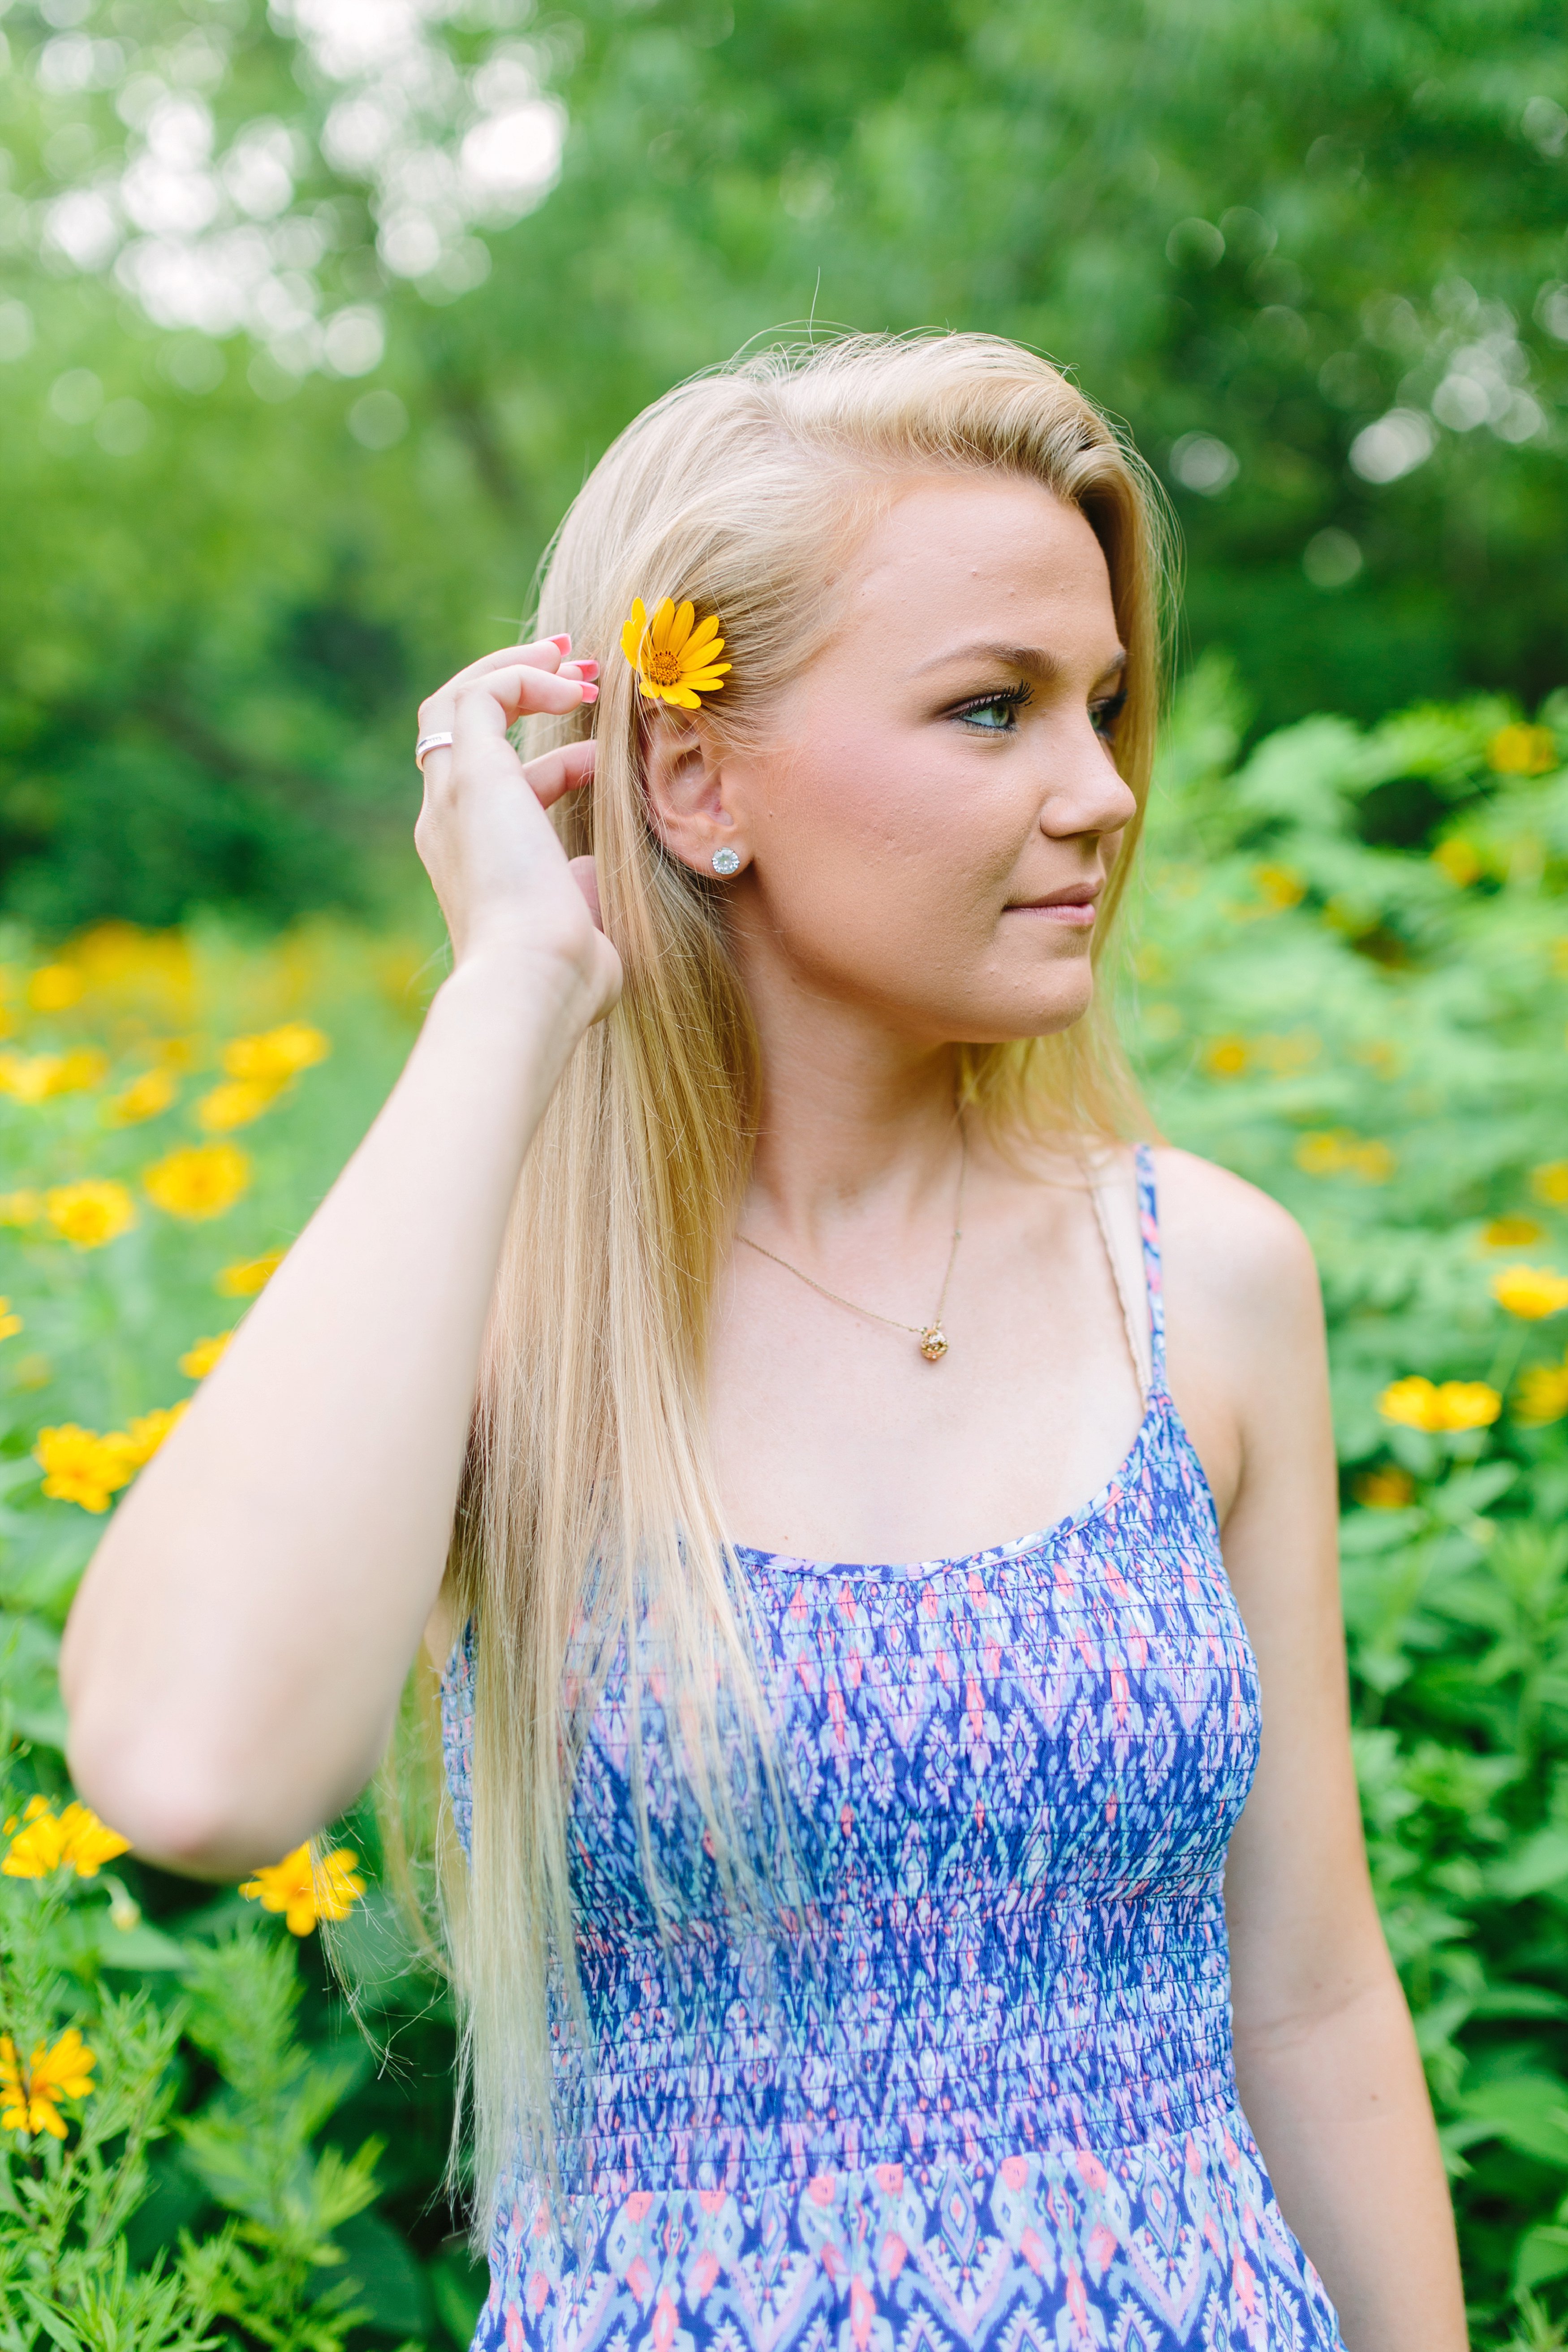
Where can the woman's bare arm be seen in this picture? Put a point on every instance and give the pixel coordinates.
(235, 1654)
(1325, 2055)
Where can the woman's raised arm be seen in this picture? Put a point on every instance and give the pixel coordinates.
(235, 1654)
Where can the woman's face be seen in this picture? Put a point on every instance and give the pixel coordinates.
(932, 825)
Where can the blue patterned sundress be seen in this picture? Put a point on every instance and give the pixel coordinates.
(1015, 2123)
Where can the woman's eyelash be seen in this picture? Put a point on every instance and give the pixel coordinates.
(1007, 698)
(1105, 714)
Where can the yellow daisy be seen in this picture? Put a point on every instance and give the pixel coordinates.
(306, 1890)
(30, 2094)
(673, 654)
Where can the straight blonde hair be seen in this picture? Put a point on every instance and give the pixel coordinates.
(588, 1522)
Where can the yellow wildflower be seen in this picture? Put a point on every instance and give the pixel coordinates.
(9, 1324)
(90, 1843)
(275, 1056)
(144, 1098)
(1282, 885)
(90, 1213)
(118, 960)
(39, 1848)
(33, 1077)
(55, 988)
(1542, 1395)
(249, 1275)
(202, 1179)
(1226, 1057)
(141, 1440)
(1338, 1153)
(1416, 1402)
(1531, 1292)
(1513, 1232)
(1459, 859)
(80, 1466)
(1388, 1489)
(29, 1078)
(198, 1360)
(21, 1208)
(1374, 1161)
(1550, 1184)
(1521, 751)
(30, 2094)
(234, 1104)
(305, 1892)
(1321, 1154)
(76, 1840)
(673, 659)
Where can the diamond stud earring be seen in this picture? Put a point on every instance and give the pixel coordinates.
(726, 862)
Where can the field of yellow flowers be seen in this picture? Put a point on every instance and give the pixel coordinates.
(1348, 980)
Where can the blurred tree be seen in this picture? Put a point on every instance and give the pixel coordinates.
(313, 326)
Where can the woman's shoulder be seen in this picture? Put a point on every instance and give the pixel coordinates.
(1234, 1255)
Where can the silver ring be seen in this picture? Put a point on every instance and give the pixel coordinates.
(429, 744)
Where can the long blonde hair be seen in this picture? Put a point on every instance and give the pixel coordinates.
(589, 1514)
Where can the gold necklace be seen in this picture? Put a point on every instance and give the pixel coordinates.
(932, 1338)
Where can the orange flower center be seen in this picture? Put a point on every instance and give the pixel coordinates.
(664, 668)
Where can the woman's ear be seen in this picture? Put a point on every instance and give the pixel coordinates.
(686, 797)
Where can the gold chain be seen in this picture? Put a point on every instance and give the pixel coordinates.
(932, 1338)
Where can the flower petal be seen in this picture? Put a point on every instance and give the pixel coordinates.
(702, 633)
(683, 697)
(660, 632)
(681, 627)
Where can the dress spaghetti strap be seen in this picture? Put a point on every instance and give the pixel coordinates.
(1137, 1280)
(1154, 1284)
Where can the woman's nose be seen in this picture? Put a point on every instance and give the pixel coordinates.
(1084, 791)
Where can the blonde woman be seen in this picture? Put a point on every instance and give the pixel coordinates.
(847, 1880)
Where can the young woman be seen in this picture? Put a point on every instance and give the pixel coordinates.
(850, 1882)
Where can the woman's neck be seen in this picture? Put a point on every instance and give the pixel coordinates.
(858, 1126)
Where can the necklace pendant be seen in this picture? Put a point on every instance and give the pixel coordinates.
(933, 1344)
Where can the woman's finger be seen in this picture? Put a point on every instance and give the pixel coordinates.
(547, 654)
(521, 690)
(540, 653)
(554, 774)
(585, 873)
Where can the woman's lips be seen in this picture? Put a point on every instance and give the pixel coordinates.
(1078, 913)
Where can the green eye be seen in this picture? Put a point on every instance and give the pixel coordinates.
(994, 714)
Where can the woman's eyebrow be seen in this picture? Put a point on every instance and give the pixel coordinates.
(1035, 661)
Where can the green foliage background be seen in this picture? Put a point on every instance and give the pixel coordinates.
(231, 567)
(292, 393)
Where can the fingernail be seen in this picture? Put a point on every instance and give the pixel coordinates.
(589, 693)
(563, 642)
(588, 668)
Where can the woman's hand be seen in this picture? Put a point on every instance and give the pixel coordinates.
(504, 882)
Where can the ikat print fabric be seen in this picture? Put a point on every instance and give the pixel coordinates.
(1004, 2113)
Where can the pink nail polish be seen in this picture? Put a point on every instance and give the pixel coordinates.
(588, 668)
(563, 642)
(589, 693)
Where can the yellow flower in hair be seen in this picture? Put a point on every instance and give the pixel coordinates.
(673, 654)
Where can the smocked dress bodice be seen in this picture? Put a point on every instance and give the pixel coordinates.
(1005, 2110)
